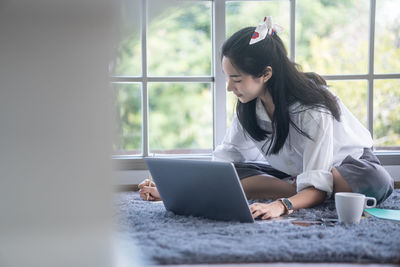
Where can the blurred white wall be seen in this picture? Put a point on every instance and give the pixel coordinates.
(55, 132)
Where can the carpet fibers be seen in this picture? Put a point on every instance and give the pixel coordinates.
(166, 238)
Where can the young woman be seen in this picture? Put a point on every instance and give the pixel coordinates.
(291, 138)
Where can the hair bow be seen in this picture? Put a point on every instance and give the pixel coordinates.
(263, 29)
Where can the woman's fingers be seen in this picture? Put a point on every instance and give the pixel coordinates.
(257, 214)
(254, 207)
(146, 194)
(266, 216)
(151, 191)
(259, 209)
(146, 182)
(267, 211)
(148, 189)
(145, 190)
(147, 197)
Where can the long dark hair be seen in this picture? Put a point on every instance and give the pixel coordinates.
(287, 85)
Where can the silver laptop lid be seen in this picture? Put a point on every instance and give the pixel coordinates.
(209, 189)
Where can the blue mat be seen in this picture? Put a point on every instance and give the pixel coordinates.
(165, 238)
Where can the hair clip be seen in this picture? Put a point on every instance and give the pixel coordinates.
(263, 29)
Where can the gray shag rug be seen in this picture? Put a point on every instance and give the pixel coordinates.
(166, 238)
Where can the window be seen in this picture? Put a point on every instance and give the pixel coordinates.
(170, 90)
(163, 78)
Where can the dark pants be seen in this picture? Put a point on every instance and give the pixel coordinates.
(364, 175)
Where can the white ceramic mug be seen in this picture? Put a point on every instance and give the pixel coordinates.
(349, 206)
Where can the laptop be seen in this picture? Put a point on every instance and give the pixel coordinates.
(209, 189)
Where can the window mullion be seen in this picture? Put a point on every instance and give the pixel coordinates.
(145, 98)
(292, 30)
(370, 96)
(219, 96)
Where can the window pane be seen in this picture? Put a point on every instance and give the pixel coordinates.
(387, 36)
(240, 14)
(332, 36)
(180, 118)
(231, 101)
(179, 38)
(353, 94)
(387, 114)
(128, 58)
(128, 118)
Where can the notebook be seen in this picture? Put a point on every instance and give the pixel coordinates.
(385, 214)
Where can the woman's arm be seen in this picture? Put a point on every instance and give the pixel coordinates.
(306, 198)
(236, 146)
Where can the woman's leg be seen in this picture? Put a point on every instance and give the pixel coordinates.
(365, 175)
(339, 183)
(267, 187)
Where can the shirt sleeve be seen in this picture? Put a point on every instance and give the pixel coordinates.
(237, 146)
(318, 153)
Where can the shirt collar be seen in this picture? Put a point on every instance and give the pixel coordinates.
(261, 112)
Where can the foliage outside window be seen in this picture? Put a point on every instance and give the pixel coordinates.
(332, 38)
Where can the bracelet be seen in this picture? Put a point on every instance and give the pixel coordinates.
(287, 204)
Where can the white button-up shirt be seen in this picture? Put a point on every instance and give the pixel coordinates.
(310, 160)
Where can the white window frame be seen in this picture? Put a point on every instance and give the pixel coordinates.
(134, 162)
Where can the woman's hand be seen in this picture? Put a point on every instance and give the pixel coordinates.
(148, 191)
(267, 211)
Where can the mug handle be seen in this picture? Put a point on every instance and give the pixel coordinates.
(366, 206)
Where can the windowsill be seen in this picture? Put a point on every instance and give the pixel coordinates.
(130, 162)
(388, 157)
(125, 162)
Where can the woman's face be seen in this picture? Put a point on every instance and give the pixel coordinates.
(244, 86)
